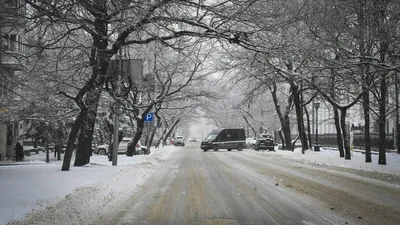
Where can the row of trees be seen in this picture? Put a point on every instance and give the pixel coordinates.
(75, 41)
(342, 51)
(345, 52)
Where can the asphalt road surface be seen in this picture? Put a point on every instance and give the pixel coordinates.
(197, 187)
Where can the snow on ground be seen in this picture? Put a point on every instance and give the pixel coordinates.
(36, 186)
(330, 157)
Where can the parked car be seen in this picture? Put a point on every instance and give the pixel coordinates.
(179, 140)
(101, 149)
(139, 149)
(193, 139)
(122, 147)
(251, 142)
(266, 141)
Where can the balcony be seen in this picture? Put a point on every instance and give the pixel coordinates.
(12, 54)
(11, 60)
(12, 13)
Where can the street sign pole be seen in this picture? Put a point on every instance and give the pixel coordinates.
(116, 116)
(148, 120)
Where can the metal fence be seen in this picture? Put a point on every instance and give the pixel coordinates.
(358, 142)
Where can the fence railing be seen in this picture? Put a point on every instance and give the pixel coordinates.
(358, 141)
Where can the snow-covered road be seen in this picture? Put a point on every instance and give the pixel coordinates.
(178, 185)
(245, 188)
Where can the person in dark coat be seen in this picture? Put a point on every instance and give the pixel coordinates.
(19, 152)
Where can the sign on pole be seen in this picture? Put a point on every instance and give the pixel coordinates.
(149, 117)
(133, 67)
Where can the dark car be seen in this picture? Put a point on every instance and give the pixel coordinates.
(229, 139)
(266, 141)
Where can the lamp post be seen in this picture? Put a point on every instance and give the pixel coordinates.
(316, 145)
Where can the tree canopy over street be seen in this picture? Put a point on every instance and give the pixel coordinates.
(255, 63)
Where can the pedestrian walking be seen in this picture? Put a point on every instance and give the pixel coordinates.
(19, 152)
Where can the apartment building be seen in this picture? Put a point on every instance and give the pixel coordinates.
(12, 50)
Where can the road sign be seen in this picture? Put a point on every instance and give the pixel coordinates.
(133, 67)
(149, 117)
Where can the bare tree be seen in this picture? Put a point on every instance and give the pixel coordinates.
(109, 25)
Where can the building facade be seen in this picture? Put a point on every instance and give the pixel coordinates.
(12, 51)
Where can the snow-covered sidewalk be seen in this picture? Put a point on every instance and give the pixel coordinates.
(330, 157)
(34, 185)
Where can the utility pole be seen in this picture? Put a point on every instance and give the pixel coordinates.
(116, 115)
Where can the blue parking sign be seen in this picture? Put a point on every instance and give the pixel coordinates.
(149, 117)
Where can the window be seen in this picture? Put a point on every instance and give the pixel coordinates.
(6, 42)
(14, 4)
(13, 43)
(234, 135)
(2, 89)
(17, 92)
(20, 44)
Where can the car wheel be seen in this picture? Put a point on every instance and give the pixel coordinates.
(239, 148)
(215, 148)
(102, 152)
(229, 149)
(205, 150)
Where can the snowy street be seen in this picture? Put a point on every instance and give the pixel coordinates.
(184, 185)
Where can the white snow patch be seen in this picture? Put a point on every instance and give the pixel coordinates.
(330, 157)
(35, 192)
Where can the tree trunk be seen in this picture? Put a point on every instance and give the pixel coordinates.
(365, 80)
(302, 118)
(336, 115)
(381, 7)
(346, 140)
(161, 139)
(287, 132)
(284, 119)
(71, 140)
(136, 138)
(84, 150)
(367, 135)
(398, 137)
(299, 116)
(294, 142)
(308, 126)
(139, 131)
(248, 124)
(382, 121)
(397, 112)
(338, 132)
(110, 147)
(282, 139)
(59, 152)
(159, 121)
(168, 133)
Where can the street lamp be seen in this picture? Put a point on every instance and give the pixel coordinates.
(316, 145)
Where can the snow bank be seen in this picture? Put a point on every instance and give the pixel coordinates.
(330, 157)
(43, 194)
